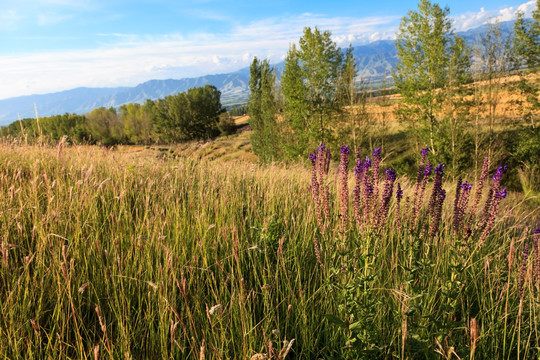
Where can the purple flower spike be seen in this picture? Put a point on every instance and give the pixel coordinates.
(499, 173)
(377, 153)
(501, 194)
(367, 163)
(439, 169)
(313, 158)
(428, 170)
(390, 174)
(425, 151)
(359, 168)
(537, 230)
(344, 149)
(399, 193)
(443, 195)
(322, 147)
(328, 154)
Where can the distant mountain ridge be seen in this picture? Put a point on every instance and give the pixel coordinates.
(375, 61)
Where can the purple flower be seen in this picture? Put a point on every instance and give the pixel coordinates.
(344, 149)
(369, 189)
(328, 154)
(499, 173)
(313, 158)
(322, 147)
(466, 186)
(367, 163)
(399, 193)
(440, 169)
(425, 151)
(359, 168)
(537, 230)
(390, 174)
(428, 170)
(501, 194)
(377, 153)
(443, 195)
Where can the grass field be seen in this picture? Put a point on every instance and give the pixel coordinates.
(136, 254)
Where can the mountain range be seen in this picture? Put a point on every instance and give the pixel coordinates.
(375, 61)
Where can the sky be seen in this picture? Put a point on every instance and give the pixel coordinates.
(54, 45)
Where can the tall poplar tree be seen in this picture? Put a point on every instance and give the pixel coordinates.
(527, 39)
(310, 86)
(423, 48)
(526, 47)
(262, 110)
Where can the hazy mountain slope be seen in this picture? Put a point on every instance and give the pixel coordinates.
(234, 87)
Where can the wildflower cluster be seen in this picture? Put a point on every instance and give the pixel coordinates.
(372, 196)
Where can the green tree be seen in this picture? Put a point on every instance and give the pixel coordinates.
(310, 87)
(423, 48)
(104, 126)
(190, 115)
(526, 39)
(454, 134)
(262, 107)
(526, 47)
(296, 109)
(226, 124)
(204, 111)
(137, 123)
(350, 100)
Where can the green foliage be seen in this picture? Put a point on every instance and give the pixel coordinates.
(310, 85)
(104, 126)
(190, 115)
(433, 64)
(262, 107)
(226, 124)
(137, 122)
(526, 46)
(527, 157)
(526, 40)
(194, 114)
(238, 110)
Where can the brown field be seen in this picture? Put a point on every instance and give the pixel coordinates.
(506, 94)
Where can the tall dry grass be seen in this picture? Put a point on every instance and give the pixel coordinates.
(111, 254)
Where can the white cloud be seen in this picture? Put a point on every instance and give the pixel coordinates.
(471, 20)
(134, 59)
(128, 59)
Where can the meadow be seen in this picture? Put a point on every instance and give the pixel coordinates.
(132, 254)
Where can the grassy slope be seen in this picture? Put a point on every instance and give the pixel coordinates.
(125, 254)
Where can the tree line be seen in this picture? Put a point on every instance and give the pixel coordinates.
(192, 115)
(450, 92)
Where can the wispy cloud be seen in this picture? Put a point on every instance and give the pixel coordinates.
(473, 19)
(51, 18)
(17, 14)
(125, 59)
(129, 59)
(9, 19)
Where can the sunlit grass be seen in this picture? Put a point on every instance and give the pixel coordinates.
(127, 254)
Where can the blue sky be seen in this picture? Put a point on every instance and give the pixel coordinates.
(54, 45)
